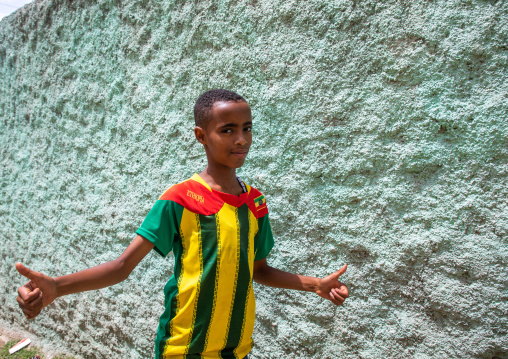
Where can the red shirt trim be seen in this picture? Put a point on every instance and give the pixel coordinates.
(198, 198)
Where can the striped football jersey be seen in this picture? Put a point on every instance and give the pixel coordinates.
(215, 238)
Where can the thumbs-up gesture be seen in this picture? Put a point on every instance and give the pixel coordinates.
(330, 287)
(38, 293)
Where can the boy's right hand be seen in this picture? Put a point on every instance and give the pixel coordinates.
(36, 294)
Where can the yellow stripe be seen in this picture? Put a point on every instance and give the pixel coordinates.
(246, 342)
(227, 272)
(250, 309)
(245, 345)
(198, 178)
(236, 273)
(177, 299)
(192, 270)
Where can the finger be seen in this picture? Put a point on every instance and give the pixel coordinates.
(342, 290)
(30, 310)
(35, 304)
(337, 292)
(24, 271)
(336, 299)
(27, 293)
(31, 316)
(340, 272)
(29, 313)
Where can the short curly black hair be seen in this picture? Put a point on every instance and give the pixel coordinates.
(205, 102)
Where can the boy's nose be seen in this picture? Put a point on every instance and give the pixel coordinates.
(240, 140)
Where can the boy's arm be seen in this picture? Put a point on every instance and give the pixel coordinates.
(328, 287)
(42, 290)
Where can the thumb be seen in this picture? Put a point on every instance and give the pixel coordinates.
(24, 271)
(340, 272)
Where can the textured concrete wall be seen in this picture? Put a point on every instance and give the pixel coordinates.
(381, 141)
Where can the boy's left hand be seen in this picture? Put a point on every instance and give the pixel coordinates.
(330, 288)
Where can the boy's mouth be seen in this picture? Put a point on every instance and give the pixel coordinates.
(240, 153)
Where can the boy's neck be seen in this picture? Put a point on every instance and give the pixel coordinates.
(222, 180)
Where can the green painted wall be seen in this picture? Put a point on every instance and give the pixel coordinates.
(381, 141)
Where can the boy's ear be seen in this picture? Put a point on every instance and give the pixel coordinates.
(200, 134)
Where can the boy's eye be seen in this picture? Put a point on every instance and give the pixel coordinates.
(247, 129)
(227, 130)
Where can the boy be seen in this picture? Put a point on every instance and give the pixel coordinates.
(218, 229)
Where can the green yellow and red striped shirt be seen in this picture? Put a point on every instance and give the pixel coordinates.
(215, 237)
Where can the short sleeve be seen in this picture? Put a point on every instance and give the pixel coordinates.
(161, 225)
(264, 238)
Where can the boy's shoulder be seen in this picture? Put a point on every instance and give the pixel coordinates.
(196, 195)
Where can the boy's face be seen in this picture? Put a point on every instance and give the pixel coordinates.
(227, 136)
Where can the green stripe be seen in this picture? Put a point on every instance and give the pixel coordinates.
(244, 277)
(192, 356)
(260, 198)
(206, 293)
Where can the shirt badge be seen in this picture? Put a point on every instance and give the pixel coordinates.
(260, 202)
